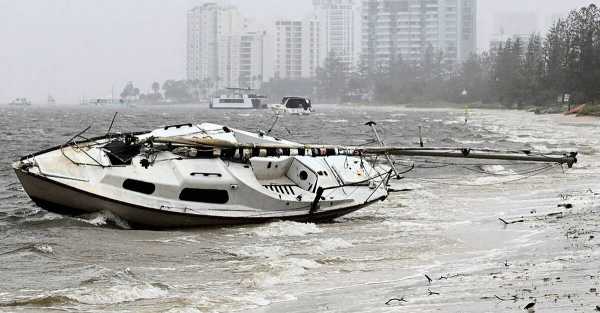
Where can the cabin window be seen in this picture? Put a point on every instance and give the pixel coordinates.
(204, 195)
(139, 186)
(231, 100)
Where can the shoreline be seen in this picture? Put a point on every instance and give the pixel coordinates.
(594, 111)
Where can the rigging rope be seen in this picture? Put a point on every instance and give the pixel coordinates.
(530, 175)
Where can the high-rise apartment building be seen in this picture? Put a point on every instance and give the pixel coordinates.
(297, 48)
(221, 48)
(336, 29)
(251, 55)
(405, 29)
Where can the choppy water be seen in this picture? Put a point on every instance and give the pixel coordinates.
(446, 226)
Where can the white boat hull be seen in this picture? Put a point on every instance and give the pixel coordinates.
(181, 191)
(63, 199)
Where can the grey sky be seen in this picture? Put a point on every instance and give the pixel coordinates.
(75, 48)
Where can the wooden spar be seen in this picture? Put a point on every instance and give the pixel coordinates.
(569, 158)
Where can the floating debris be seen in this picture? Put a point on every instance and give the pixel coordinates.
(529, 307)
(429, 280)
(395, 299)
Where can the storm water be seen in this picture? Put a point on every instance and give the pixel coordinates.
(444, 224)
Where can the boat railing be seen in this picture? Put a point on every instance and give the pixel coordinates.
(73, 143)
(384, 181)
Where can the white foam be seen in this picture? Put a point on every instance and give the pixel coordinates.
(283, 271)
(183, 310)
(269, 252)
(102, 218)
(469, 142)
(44, 248)
(332, 244)
(492, 180)
(495, 169)
(253, 299)
(117, 294)
(541, 148)
(287, 228)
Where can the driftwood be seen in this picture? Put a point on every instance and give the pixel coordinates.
(511, 222)
(395, 299)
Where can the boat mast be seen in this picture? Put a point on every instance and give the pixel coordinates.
(568, 158)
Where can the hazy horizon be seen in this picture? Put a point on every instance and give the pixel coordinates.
(72, 49)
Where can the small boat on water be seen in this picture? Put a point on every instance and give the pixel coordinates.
(20, 101)
(205, 175)
(239, 98)
(294, 106)
(100, 101)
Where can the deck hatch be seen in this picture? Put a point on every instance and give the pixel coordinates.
(204, 195)
(139, 186)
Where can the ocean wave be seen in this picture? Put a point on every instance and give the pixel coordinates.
(493, 180)
(40, 301)
(117, 294)
(468, 142)
(497, 170)
(269, 252)
(333, 260)
(104, 218)
(93, 296)
(15, 187)
(287, 228)
(183, 310)
(43, 249)
(253, 299)
(331, 244)
(175, 240)
(281, 271)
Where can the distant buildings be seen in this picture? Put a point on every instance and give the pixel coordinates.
(222, 50)
(406, 28)
(337, 29)
(225, 50)
(297, 48)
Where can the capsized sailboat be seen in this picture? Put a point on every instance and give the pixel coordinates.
(204, 175)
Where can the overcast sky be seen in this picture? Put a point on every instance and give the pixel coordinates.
(76, 48)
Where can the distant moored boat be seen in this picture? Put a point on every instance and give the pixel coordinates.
(240, 99)
(20, 101)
